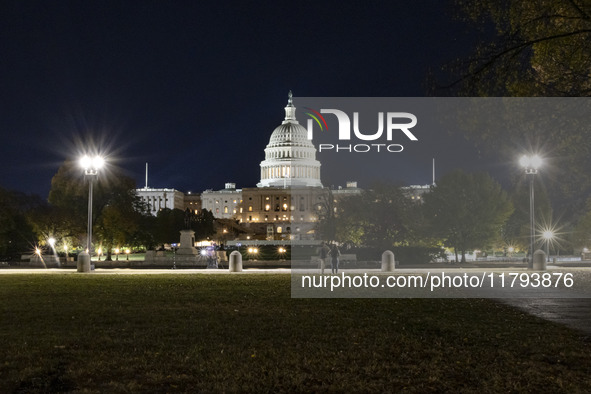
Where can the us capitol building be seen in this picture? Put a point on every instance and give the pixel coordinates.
(285, 204)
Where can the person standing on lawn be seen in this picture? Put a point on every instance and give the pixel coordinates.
(334, 259)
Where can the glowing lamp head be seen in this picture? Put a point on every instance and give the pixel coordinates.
(92, 163)
(536, 162)
(548, 234)
(98, 162)
(203, 252)
(85, 162)
(531, 162)
(51, 242)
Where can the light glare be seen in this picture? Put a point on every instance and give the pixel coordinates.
(98, 162)
(533, 162)
(85, 162)
(92, 163)
(536, 162)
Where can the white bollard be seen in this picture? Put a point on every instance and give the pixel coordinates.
(235, 262)
(83, 264)
(388, 262)
(539, 260)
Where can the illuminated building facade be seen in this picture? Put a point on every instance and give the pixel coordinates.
(290, 157)
(288, 200)
(159, 199)
(224, 204)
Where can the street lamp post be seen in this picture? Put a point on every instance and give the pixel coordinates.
(531, 165)
(91, 166)
(548, 236)
(51, 241)
(174, 246)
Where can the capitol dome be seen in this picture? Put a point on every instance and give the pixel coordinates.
(290, 157)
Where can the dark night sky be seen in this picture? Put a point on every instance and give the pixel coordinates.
(195, 88)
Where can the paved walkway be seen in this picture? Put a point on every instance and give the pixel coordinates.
(572, 312)
(147, 271)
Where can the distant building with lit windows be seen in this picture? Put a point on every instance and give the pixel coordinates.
(222, 203)
(284, 203)
(290, 157)
(158, 199)
(283, 211)
(289, 199)
(416, 192)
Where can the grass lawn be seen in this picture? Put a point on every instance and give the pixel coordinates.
(169, 333)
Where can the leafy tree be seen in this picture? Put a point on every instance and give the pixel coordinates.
(536, 48)
(203, 224)
(467, 211)
(582, 231)
(516, 231)
(49, 221)
(116, 207)
(169, 223)
(557, 130)
(117, 225)
(541, 48)
(326, 209)
(380, 217)
(16, 234)
(144, 235)
(347, 223)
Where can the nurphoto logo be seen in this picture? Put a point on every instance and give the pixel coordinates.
(396, 123)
